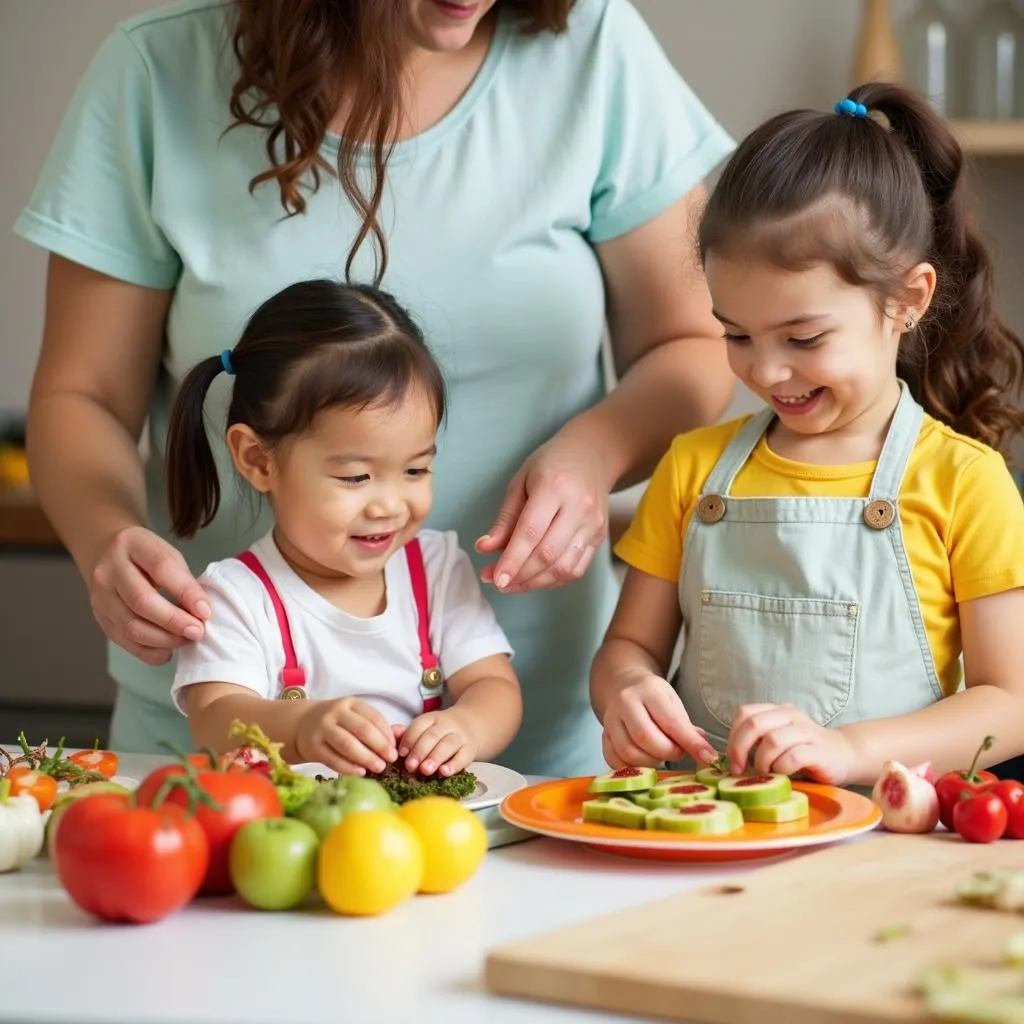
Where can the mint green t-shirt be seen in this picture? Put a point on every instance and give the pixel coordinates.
(561, 141)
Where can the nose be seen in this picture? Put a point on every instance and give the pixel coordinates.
(769, 367)
(384, 504)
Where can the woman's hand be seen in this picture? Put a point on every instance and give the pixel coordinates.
(783, 739)
(347, 734)
(124, 591)
(553, 520)
(645, 724)
(438, 741)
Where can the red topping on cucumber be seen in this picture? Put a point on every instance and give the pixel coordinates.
(689, 787)
(696, 809)
(625, 773)
(758, 780)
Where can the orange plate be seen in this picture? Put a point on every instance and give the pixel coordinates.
(555, 809)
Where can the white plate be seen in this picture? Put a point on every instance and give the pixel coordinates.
(493, 782)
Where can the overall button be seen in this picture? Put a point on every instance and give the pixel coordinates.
(880, 514)
(711, 508)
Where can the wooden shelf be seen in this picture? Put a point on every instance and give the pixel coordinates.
(991, 138)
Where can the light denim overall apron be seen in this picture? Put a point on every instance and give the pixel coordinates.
(808, 601)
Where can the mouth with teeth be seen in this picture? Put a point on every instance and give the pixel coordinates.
(797, 403)
(374, 542)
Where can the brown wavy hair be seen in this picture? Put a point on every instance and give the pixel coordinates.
(294, 58)
(873, 197)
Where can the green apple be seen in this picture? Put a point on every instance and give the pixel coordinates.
(273, 862)
(338, 797)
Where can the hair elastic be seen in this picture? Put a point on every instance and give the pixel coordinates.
(851, 107)
(225, 362)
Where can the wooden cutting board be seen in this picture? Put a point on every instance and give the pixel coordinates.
(793, 943)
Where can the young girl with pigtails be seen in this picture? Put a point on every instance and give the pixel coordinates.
(831, 557)
(348, 632)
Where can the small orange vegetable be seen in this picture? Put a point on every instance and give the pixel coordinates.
(28, 782)
(102, 761)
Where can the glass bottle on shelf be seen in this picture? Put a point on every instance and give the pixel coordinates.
(997, 63)
(934, 58)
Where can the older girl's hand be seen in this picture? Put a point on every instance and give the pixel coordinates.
(125, 593)
(553, 520)
(781, 738)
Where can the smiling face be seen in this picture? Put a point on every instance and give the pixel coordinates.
(351, 491)
(820, 351)
(445, 26)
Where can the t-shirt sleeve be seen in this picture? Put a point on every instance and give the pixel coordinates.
(653, 543)
(462, 619)
(230, 651)
(659, 140)
(986, 536)
(93, 201)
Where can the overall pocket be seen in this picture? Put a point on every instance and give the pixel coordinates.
(755, 649)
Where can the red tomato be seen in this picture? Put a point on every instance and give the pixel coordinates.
(150, 785)
(1011, 793)
(980, 818)
(240, 797)
(28, 781)
(953, 786)
(102, 761)
(127, 863)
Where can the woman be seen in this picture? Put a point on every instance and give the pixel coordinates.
(512, 172)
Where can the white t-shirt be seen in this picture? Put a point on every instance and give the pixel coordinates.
(376, 659)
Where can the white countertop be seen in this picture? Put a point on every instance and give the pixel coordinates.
(219, 961)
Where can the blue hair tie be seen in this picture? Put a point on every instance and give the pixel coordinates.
(225, 362)
(852, 108)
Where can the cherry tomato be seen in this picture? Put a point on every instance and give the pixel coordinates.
(980, 818)
(233, 798)
(126, 863)
(27, 780)
(103, 761)
(1011, 793)
(952, 786)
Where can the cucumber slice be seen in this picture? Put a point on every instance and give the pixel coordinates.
(755, 790)
(792, 809)
(624, 780)
(711, 776)
(662, 786)
(709, 817)
(678, 796)
(615, 810)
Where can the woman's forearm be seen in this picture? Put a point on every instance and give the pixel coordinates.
(946, 733)
(87, 472)
(673, 388)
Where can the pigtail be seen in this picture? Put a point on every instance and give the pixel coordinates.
(963, 363)
(193, 485)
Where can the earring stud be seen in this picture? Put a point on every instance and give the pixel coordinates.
(909, 324)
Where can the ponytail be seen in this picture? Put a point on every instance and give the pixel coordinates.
(963, 363)
(193, 485)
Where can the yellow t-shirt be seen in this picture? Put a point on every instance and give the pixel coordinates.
(961, 512)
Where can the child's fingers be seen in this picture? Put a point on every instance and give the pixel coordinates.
(330, 757)
(750, 726)
(629, 753)
(459, 761)
(446, 747)
(424, 745)
(611, 755)
(347, 745)
(374, 730)
(669, 718)
(412, 734)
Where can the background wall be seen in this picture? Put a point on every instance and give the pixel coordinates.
(745, 58)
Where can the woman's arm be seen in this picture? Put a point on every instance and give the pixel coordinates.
(674, 375)
(101, 350)
(948, 732)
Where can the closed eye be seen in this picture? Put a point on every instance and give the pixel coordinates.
(361, 479)
(736, 339)
(418, 471)
(807, 342)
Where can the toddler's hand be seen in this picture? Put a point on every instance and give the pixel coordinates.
(645, 723)
(439, 741)
(347, 735)
(787, 741)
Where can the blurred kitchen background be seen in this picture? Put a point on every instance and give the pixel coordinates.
(746, 59)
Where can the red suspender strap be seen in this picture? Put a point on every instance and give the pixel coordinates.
(432, 683)
(293, 678)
